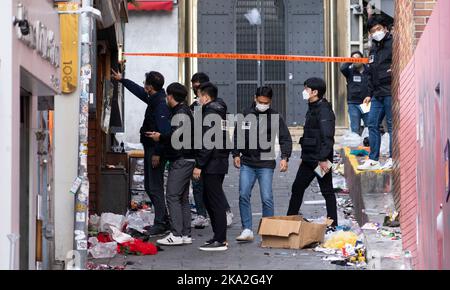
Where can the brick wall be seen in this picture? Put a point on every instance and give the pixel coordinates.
(410, 22)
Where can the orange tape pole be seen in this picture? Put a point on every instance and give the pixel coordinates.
(269, 57)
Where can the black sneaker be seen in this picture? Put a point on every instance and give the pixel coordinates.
(208, 242)
(157, 231)
(214, 247)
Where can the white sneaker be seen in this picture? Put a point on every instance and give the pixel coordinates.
(187, 240)
(171, 240)
(200, 222)
(388, 165)
(246, 236)
(370, 165)
(229, 218)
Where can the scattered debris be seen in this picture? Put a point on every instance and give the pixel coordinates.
(371, 226)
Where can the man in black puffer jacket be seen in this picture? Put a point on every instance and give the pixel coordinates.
(317, 149)
(212, 164)
(380, 91)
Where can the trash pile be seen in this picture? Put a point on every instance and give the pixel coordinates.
(344, 247)
(110, 234)
(339, 182)
(103, 267)
(384, 232)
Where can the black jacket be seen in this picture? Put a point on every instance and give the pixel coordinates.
(157, 115)
(214, 160)
(252, 157)
(380, 70)
(318, 137)
(357, 83)
(184, 124)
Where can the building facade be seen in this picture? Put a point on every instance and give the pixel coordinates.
(29, 84)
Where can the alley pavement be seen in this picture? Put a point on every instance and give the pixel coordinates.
(240, 256)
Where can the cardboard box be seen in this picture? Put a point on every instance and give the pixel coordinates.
(290, 232)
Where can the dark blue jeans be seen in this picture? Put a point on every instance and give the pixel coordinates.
(356, 116)
(380, 108)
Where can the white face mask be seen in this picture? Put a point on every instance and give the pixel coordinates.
(262, 108)
(379, 36)
(306, 95)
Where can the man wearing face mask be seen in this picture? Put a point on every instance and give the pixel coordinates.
(357, 90)
(317, 149)
(182, 163)
(201, 221)
(212, 165)
(250, 162)
(156, 119)
(380, 91)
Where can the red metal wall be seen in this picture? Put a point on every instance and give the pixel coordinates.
(423, 202)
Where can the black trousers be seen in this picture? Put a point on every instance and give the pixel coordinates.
(305, 176)
(216, 204)
(154, 186)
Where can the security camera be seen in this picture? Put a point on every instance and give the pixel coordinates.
(23, 25)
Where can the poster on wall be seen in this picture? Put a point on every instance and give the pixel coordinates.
(108, 90)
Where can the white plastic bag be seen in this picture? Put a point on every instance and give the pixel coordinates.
(120, 237)
(104, 250)
(254, 17)
(352, 140)
(385, 145)
(110, 219)
(139, 220)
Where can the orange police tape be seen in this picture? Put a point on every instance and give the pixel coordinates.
(269, 57)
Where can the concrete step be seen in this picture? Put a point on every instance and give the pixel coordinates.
(372, 197)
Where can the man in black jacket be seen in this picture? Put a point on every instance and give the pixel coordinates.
(179, 151)
(380, 90)
(201, 220)
(252, 162)
(317, 149)
(156, 119)
(356, 75)
(212, 164)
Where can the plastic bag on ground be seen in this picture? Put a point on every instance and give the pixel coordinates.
(338, 240)
(351, 140)
(139, 220)
(104, 250)
(120, 237)
(385, 144)
(94, 222)
(110, 219)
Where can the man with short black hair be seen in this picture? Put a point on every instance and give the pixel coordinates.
(252, 163)
(156, 119)
(356, 75)
(201, 220)
(182, 163)
(212, 165)
(380, 90)
(317, 149)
